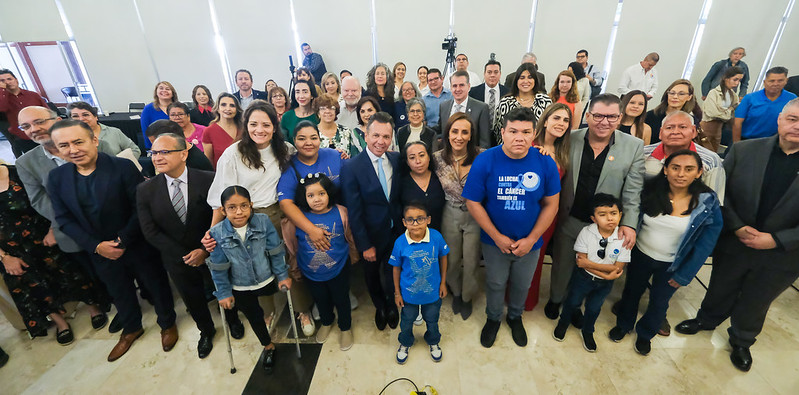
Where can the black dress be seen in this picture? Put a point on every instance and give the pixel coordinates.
(433, 198)
(51, 278)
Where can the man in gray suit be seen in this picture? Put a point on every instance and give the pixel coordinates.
(461, 102)
(602, 160)
(757, 255)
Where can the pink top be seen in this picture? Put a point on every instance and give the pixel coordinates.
(196, 138)
(219, 140)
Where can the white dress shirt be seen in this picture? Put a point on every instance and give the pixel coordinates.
(386, 167)
(635, 77)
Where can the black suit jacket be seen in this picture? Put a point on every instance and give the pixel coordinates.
(256, 95)
(160, 223)
(793, 85)
(479, 92)
(370, 213)
(115, 190)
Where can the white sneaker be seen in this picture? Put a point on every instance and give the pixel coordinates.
(436, 353)
(353, 301)
(308, 326)
(402, 354)
(418, 320)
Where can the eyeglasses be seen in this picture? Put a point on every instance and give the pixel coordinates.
(678, 94)
(415, 111)
(604, 244)
(38, 122)
(181, 115)
(414, 221)
(151, 153)
(610, 117)
(244, 207)
(330, 108)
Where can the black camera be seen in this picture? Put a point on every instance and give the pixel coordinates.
(450, 43)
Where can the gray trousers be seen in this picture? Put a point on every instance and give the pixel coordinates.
(462, 234)
(563, 257)
(502, 269)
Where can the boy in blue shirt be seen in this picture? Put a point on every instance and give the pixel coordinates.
(420, 273)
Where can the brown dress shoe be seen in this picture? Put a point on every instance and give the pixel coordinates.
(125, 341)
(169, 337)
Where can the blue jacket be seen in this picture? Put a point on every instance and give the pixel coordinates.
(248, 263)
(713, 77)
(698, 241)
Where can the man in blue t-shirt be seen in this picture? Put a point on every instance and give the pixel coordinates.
(756, 115)
(512, 192)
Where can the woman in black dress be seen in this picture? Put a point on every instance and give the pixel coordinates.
(421, 183)
(40, 278)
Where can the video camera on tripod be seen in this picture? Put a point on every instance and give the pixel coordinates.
(449, 45)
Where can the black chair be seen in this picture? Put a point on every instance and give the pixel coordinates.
(70, 94)
(135, 107)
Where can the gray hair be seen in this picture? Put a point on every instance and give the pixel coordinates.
(528, 56)
(793, 102)
(180, 140)
(735, 49)
(415, 88)
(676, 114)
(418, 101)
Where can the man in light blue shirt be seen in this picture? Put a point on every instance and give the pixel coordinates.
(756, 115)
(435, 97)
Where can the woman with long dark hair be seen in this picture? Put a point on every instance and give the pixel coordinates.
(380, 85)
(680, 223)
(203, 111)
(302, 98)
(225, 129)
(525, 92)
(583, 84)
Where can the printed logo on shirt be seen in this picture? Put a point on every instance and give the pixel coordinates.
(421, 265)
(321, 258)
(509, 188)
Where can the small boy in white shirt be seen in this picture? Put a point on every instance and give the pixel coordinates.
(601, 257)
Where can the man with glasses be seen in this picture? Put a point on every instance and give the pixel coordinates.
(12, 100)
(174, 216)
(434, 98)
(602, 160)
(594, 76)
(462, 64)
(195, 158)
(94, 198)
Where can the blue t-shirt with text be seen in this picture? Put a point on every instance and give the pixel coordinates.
(511, 189)
(420, 279)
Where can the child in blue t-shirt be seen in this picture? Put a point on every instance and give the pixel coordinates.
(326, 271)
(420, 273)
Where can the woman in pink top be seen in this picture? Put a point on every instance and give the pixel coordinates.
(179, 113)
(224, 130)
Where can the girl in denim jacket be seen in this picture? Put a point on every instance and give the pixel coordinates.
(247, 263)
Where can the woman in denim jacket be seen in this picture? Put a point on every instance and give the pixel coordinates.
(680, 223)
(247, 263)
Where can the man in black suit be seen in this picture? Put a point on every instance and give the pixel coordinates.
(174, 216)
(461, 102)
(94, 199)
(370, 182)
(491, 90)
(195, 158)
(757, 255)
(246, 94)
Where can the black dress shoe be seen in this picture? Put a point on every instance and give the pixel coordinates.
(691, 327)
(392, 318)
(99, 321)
(551, 310)
(577, 319)
(489, 333)
(268, 363)
(741, 358)
(115, 325)
(236, 329)
(456, 304)
(205, 345)
(380, 319)
(466, 310)
(3, 358)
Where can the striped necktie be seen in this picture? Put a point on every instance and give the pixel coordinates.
(178, 202)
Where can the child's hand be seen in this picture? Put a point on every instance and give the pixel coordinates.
(208, 242)
(285, 284)
(674, 284)
(615, 274)
(442, 291)
(398, 301)
(227, 303)
(582, 262)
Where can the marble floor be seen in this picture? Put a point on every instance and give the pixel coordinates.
(677, 364)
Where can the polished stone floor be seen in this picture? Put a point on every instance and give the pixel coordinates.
(677, 364)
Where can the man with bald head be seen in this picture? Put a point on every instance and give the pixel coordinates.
(350, 95)
(94, 199)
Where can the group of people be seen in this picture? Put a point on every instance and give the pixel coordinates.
(258, 192)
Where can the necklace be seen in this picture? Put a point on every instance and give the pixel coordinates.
(458, 159)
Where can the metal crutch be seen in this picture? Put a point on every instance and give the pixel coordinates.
(293, 320)
(227, 336)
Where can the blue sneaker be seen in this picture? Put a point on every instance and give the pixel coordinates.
(402, 354)
(436, 353)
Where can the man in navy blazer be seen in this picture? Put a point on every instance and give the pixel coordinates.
(370, 182)
(94, 199)
(245, 93)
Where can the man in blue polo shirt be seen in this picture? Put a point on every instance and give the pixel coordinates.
(434, 98)
(512, 192)
(756, 115)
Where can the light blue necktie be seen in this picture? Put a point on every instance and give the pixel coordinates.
(381, 175)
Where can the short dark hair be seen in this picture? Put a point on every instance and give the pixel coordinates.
(162, 126)
(344, 71)
(207, 92)
(310, 179)
(305, 45)
(417, 204)
(464, 55)
(236, 74)
(492, 62)
(577, 69)
(606, 99)
(7, 71)
(380, 117)
(604, 200)
(81, 105)
(460, 73)
(582, 51)
(232, 191)
(422, 67)
(433, 71)
(523, 114)
(180, 105)
(180, 139)
(305, 124)
(361, 102)
(68, 123)
(777, 70)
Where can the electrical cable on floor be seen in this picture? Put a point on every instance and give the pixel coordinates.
(400, 379)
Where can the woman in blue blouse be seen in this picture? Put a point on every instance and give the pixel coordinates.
(163, 95)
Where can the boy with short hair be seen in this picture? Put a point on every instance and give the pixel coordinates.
(602, 257)
(420, 272)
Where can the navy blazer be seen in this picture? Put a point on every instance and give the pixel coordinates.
(115, 189)
(370, 213)
(479, 92)
(256, 95)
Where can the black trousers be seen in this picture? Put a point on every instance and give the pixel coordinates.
(333, 293)
(247, 302)
(380, 281)
(190, 282)
(119, 276)
(742, 288)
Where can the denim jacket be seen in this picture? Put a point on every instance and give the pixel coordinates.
(246, 263)
(698, 241)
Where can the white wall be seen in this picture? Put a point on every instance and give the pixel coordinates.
(30, 20)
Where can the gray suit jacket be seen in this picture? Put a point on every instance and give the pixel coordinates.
(478, 112)
(745, 165)
(622, 174)
(33, 169)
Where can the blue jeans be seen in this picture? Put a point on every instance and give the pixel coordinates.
(503, 270)
(640, 269)
(430, 314)
(584, 286)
